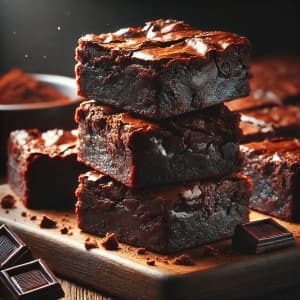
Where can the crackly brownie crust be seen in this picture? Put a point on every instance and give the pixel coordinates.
(42, 168)
(138, 152)
(275, 81)
(269, 122)
(163, 69)
(163, 219)
(274, 167)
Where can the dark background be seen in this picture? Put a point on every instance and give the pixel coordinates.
(40, 35)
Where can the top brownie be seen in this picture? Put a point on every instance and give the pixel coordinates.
(163, 69)
(275, 81)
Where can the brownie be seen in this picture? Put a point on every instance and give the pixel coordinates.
(163, 69)
(274, 167)
(163, 219)
(275, 81)
(17, 87)
(136, 152)
(268, 122)
(42, 168)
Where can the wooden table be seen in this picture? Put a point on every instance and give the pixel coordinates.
(76, 292)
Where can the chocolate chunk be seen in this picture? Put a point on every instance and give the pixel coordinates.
(12, 249)
(24, 214)
(8, 201)
(32, 280)
(47, 223)
(261, 236)
(183, 260)
(64, 230)
(90, 244)
(110, 242)
(150, 262)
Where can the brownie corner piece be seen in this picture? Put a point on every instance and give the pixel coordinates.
(136, 152)
(162, 219)
(163, 69)
(42, 167)
(274, 167)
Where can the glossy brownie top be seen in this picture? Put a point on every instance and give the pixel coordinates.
(52, 142)
(165, 39)
(278, 150)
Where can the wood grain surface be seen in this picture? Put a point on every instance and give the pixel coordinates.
(126, 274)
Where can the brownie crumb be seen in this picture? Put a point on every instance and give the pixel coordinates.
(47, 223)
(7, 211)
(150, 262)
(64, 230)
(24, 214)
(110, 242)
(64, 219)
(90, 244)
(70, 233)
(141, 251)
(8, 201)
(33, 218)
(211, 251)
(183, 260)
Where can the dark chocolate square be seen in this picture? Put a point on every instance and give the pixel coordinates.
(12, 249)
(261, 236)
(32, 280)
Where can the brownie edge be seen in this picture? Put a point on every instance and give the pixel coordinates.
(139, 153)
(163, 219)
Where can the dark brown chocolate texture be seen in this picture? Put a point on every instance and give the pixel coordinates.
(164, 219)
(274, 167)
(110, 242)
(163, 69)
(46, 222)
(29, 281)
(42, 168)
(136, 152)
(12, 249)
(261, 236)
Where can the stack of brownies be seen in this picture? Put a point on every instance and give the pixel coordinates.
(163, 147)
(271, 128)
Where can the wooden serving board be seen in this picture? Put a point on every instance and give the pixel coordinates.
(126, 274)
